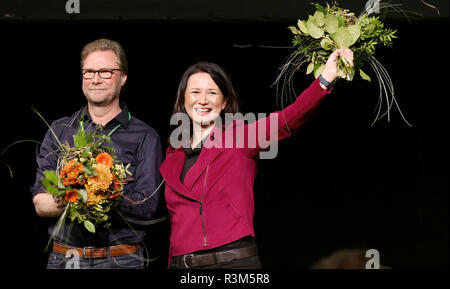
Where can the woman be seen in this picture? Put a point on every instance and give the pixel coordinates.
(209, 186)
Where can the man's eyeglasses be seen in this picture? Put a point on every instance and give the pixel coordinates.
(105, 73)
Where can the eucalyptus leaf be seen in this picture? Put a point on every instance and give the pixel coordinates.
(317, 19)
(331, 23)
(355, 32)
(89, 226)
(302, 25)
(318, 70)
(314, 30)
(345, 37)
(326, 44)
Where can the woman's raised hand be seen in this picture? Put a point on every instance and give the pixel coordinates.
(331, 72)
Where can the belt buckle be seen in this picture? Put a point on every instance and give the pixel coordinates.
(184, 259)
(84, 251)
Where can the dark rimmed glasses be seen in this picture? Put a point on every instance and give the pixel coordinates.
(105, 73)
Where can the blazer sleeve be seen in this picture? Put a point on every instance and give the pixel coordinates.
(282, 124)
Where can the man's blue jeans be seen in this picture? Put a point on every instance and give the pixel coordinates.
(129, 261)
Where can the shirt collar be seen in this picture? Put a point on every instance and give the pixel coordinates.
(123, 117)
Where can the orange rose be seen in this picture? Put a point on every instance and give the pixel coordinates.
(105, 158)
(71, 196)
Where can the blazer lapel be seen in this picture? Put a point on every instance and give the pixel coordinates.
(210, 151)
(171, 170)
(206, 157)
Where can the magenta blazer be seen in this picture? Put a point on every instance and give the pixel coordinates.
(214, 206)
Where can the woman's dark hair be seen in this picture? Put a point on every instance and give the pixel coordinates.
(222, 80)
(219, 76)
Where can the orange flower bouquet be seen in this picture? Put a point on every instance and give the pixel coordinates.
(88, 179)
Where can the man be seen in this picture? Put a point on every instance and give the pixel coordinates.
(104, 72)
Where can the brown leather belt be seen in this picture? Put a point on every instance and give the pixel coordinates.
(197, 260)
(93, 252)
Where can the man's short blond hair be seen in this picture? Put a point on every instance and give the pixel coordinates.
(104, 45)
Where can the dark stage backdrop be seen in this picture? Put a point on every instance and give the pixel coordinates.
(339, 183)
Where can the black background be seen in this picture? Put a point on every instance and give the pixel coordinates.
(339, 183)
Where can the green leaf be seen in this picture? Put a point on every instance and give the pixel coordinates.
(326, 44)
(89, 171)
(331, 23)
(126, 169)
(83, 195)
(317, 19)
(52, 190)
(318, 70)
(89, 226)
(60, 184)
(364, 75)
(45, 182)
(310, 68)
(90, 137)
(320, 7)
(302, 25)
(341, 20)
(106, 138)
(294, 30)
(314, 30)
(346, 36)
(79, 140)
(51, 176)
(355, 32)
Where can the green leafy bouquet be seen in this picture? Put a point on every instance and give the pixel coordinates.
(331, 28)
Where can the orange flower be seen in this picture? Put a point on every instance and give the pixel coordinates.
(72, 169)
(71, 196)
(69, 181)
(105, 158)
